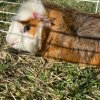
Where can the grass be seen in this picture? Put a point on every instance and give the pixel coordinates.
(25, 77)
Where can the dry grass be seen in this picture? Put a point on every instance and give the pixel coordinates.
(25, 77)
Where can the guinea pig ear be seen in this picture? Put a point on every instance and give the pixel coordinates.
(48, 22)
(36, 15)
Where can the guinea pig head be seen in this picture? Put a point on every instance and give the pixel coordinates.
(25, 35)
(26, 27)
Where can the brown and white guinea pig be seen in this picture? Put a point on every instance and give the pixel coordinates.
(64, 34)
(23, 33)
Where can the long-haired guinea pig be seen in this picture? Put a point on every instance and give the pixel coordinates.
(63, 34)
(23, 33)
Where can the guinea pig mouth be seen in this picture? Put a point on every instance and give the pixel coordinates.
(13, 44)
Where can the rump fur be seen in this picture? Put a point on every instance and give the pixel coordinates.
(73, 37)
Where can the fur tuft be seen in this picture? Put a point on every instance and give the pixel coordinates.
(28, 8)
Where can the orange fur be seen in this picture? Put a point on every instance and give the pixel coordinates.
(62, 42)
(33, 25)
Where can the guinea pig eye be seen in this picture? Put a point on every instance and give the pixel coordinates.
(26, 28)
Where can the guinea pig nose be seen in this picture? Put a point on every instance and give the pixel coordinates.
(10, 40)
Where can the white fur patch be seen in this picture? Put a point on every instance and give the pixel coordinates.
(16, 36)
(28, 8)
(17, 39)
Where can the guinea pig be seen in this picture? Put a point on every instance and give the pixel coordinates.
(72, 36)
(23, 33)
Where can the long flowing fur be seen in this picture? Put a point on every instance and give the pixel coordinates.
(73, 37)
(29, 7)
